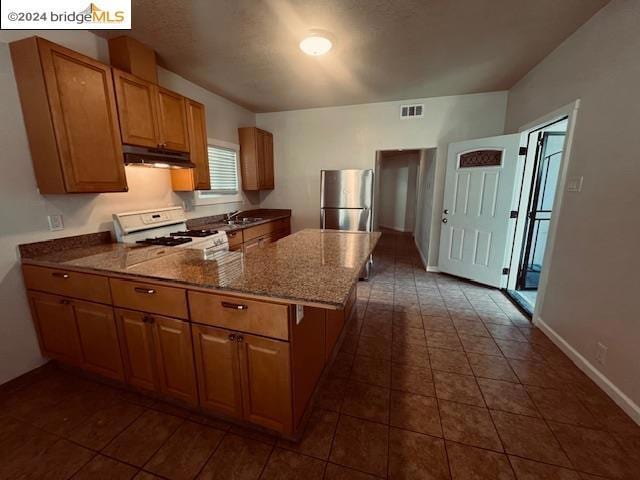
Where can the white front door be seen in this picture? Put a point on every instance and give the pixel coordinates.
(478, 198)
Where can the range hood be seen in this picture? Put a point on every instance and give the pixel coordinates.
(155, 157)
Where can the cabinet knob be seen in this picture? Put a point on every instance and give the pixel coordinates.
(148, 319)
(239, 338)
(232, 337)
(65, 301)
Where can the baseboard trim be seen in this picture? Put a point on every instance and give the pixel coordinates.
(395, 229)
(433, 269)
(617, 395)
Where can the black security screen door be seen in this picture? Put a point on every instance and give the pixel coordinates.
(543, 189)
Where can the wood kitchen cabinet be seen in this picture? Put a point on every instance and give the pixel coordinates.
(78, 333)
(256, 158)
(244, 376)
(198, 178)
(137, 106)
(99, 339)
(69, 110)
(266, 382)
(218, 368)
(158, 354)
(172, 117)
(150, 116)
(56, 326)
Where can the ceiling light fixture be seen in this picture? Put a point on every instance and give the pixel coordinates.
(315, 44)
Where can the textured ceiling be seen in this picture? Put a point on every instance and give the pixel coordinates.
(384, 50)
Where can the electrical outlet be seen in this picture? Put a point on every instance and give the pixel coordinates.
(55, 222)
(575, 184)
(601, 353)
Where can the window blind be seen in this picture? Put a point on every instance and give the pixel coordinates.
(223, 170)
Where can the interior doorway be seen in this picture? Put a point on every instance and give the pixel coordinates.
(404, 193)
(541, 173)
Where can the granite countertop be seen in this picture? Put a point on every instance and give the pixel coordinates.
(312, 267)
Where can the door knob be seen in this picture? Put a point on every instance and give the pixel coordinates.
(446, 211)
(444, 220)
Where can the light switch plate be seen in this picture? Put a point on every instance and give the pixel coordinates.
(574, 184)
(55, 222)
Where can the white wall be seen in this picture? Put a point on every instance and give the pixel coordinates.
(592, 292)
(396, 199)
(24, 210)
(424, 207)
(306, 141)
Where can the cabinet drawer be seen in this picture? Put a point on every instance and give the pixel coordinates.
(261, 318)
(257, 231)
(70, 284)
(169, 301)
(235, 238)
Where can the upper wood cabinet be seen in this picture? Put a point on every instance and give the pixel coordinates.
(256, 158)
(150, 116)
(198, 178)
(70, 115)
(137, 106)
(173, 120)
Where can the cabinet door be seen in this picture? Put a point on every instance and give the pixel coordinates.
(266, 161)
(137, 108)
(173, 121)
(56, 327)
(266, 382)
(85, 120)
(136, 341)
(197, 122)
(251, 245)
(99, 339)
(174, 354)
(216, 355)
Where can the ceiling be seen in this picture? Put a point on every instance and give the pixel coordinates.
(247, 51)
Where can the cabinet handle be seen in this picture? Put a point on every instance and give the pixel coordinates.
(60, 275)
(232, 337)
(148, 291)
(235, 306)
(239, 338)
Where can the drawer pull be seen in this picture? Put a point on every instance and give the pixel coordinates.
(147, 291)
(235, 306)
(60, 275)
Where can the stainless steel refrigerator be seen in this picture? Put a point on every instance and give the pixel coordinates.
(346, 203)
(346, 200)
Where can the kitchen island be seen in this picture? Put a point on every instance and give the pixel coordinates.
(242, 336)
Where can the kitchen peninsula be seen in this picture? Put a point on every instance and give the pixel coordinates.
(241, 336)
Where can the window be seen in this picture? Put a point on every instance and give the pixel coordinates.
(223, 171)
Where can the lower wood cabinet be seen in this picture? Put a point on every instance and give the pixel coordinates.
(78, 333)
(99, 339)
(218, 367)
(158, 354)
(244, 376)
(55, 322)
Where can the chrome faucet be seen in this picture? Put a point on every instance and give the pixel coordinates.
(231, 215)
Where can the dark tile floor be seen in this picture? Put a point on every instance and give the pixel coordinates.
(436, 379)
